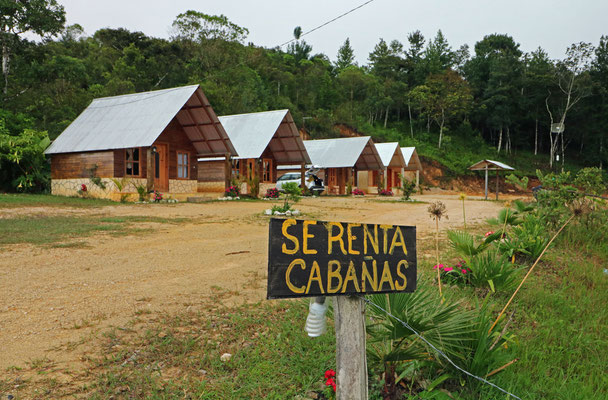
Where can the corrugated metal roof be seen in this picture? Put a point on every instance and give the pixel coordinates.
(136, 120)
(344, 153)
(390, 154)
(491, 165)
(252, 133)
(412, 162)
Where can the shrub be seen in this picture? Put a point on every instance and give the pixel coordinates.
(157, 197)
(492, 270)
(358, 192)
(232, 191)
(141, 191)
(23, 166)
(272, 193)
(457, 274)
(407, 187)
(385, 192)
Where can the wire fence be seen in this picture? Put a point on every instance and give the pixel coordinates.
(441, 353)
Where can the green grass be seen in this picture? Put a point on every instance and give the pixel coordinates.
(47, 200)
(57, 230)
(272, 357)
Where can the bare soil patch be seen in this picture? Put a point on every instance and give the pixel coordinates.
(53, 299)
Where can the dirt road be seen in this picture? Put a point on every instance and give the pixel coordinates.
(52, 296)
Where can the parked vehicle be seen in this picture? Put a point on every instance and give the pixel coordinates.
(313, 182)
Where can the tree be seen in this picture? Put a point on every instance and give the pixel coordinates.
(495, 74)
(537, 80)
(41, 17)
(197, 26)
(443, 97)
(438, 54)
(346, 56)
(599, 73)
(572, 79)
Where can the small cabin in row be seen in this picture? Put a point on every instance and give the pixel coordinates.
(263, 141)
(340, 160)
(150, 139)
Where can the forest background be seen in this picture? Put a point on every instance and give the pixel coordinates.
(455, 105)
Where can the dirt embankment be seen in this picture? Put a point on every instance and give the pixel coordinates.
(433, 175)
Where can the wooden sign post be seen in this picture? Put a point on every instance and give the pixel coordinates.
(317, 258)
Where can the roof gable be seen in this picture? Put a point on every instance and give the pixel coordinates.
(388, 152)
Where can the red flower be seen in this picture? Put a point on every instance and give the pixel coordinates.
(83, 187)
(330, 373)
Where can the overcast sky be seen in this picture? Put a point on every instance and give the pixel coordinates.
(551, 24)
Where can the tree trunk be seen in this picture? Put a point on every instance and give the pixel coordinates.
(508, 144)
(441, 127)
(409, 111)
(5, 66)
(428, 124)
(499, 140)
(601, 151)
(385, 117)
(536, 137)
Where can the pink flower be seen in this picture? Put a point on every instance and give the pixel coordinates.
(464, 271)
(440, 266)
(488, 233)
(448, 269)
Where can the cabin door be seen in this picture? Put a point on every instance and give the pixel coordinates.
(161, 165)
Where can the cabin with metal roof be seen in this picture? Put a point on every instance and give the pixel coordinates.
(263, 140)
(149, 139)
(388, 177)
(413, 166)
(341, 159)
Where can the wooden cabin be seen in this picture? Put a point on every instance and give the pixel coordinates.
(413, 166)
(339, 160)
(393, 165)
(150, 139)
(263, 140)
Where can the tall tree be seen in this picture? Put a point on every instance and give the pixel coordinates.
(573, 80)
(41, 17)
(537, 81)
(346, 56)
(599, 73)
(495, 74)
(197, 26)
(443, 97)
(438, 54)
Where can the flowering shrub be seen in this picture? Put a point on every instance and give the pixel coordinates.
(232, 191)
(272, 193)
(358, 192)
(83, 190)
(385, 192)
(157, 197)
(458, 273)
(330, 384)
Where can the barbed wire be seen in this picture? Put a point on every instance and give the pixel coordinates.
(441, 353)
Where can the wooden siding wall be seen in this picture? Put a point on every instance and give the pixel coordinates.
(211, 171)
(78, 165)
(176, 138)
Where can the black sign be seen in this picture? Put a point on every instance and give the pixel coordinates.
(317, 258)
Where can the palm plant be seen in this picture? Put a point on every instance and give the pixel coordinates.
(443, 323)
(464, 243)
(493, 270)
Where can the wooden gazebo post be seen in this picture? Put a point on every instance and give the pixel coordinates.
(487, 165)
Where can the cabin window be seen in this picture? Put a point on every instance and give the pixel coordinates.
(132, 162)
(251, 168)
(236, 168)
(183, 164)
(267, 170)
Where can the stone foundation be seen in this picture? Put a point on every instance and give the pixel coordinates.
(182, 186)
(71, 187)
